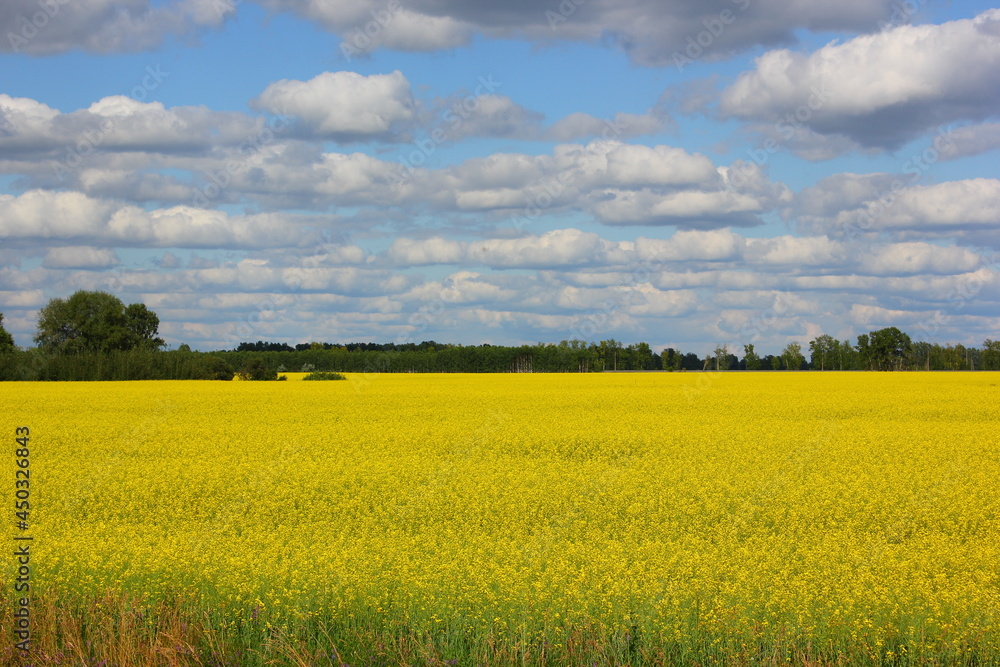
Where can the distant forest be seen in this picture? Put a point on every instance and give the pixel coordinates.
(94, 336)
(264, 360)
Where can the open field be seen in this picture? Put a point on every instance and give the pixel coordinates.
(766, 518)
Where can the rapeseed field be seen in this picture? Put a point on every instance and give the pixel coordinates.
(609, 519)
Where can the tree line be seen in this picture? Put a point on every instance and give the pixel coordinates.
(94, 336)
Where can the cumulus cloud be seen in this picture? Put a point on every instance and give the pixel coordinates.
(44, 216)
(971, 140)
(32, 133)
(345, 106)
(879, 90)
(489, 115)
(851, 204)
(718, 254)
(796, 251)
(651, 32)
(168, 261)
(682, 209)
(622, 126)
(80, 257)
(918, 258)
(618, 183)
(103, 26)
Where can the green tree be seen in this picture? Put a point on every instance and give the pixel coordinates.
(642, 356)
(96, 322)
(609, 351)
(823, 349)
(721, 356)
(887, 349)
(6, 340)
(792, 356)
(255, 368)
(750, 358)
(991, 355)
(865, 352)
(671, 359)
(143, 325)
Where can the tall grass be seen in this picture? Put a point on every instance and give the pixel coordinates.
(119, 629)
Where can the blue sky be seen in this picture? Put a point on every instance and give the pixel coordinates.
(681, 173)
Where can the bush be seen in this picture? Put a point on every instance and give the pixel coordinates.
(255, 368)
(323, 375)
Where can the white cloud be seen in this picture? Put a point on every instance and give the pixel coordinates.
(636, 166)
(41, 216)
(683, 209)
(115, 124)
(651, 32)
(957, 208)
(691, 246)
(581, 125)
(411, 252)
(80, 257)
(971, 140)
(562, 247)
(618, 183)
(879, 90)
(489, 115)
(103, 26)
(796, 251)
(44, 214)
(344, 105)
(918, 258)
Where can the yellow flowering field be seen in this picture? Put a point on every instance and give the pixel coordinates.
(634, 518)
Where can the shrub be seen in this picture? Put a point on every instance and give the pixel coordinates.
(256, 369)
(324, 375)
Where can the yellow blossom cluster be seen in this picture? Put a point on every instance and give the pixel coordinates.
(855, 512)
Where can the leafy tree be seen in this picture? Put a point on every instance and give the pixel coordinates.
(641, 356)
(887, 348)
(822, 348)
(255, 368)
(672, 359)
(721, 355)
(750, 358)
(792, 356)
(920, 356)
(96, 322)
(991, 355)
(844, 352)
(143, 324)
(6, 340)
(216, 368)
(608, 352)
(865, 351)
